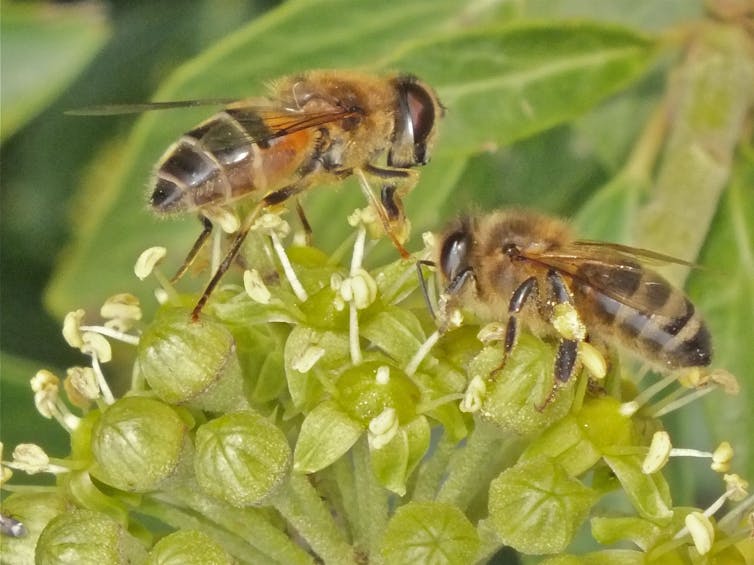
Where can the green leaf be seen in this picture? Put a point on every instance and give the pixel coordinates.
(610, 530)
(390, 463)
(724, 294)
(578, 441)
(394, 462)
(649, 494)
(608, 557)
(310, 354)
(395, 331)
(44, 48)
(536, 507)
(326, 434)
(508, 82)
(429, 532)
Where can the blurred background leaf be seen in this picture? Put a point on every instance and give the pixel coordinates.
(44, 48)
(546, 101)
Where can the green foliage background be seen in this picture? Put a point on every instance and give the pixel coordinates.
(537, 116)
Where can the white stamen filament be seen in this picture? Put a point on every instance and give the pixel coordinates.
(353, 313)
(107, 394)
(113, 333)
(290, 274)
(422, 352)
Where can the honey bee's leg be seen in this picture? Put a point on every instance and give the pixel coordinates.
(568, 347)
(271, 199)
(198, 244)
(517, 302)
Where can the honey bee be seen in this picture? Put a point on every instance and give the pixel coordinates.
(520, 267)
(313, 128)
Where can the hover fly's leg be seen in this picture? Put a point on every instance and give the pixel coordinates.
(400, 182)
(423, 284)
(304, 223)
(198, 244)
(270, 200)
(390, 206)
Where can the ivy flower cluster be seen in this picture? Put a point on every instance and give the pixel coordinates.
(319, 413)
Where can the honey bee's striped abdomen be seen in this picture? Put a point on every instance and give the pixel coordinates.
(641, 309)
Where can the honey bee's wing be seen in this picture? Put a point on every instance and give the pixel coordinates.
(646, 256)
(239, 125)
(614, 270)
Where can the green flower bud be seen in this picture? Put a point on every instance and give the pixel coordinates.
(188, 547)
(192, 363)
(84, 536)
(241, 458)
(321, 311)
(430, 532)
(138, 443)
(365, 391)
(34, 511)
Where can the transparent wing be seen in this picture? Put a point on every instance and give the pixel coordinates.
(118, 109)
(617, 271)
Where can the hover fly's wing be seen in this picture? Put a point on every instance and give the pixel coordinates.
(118, 109)
(614, 270)
(251, 120)
(241, 124)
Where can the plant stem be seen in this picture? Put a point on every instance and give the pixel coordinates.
(371, 501)
(249, 524)
(433, 470)
(233, 543)
(300, 504)
(473, 466)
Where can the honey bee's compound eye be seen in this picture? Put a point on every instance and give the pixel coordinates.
(421, 111)
(453, 256)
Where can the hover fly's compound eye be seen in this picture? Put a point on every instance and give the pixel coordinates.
(421, 112)
(454, 254)
(414, 124)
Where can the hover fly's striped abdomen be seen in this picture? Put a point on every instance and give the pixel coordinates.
(227, 157)
(653, 316)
